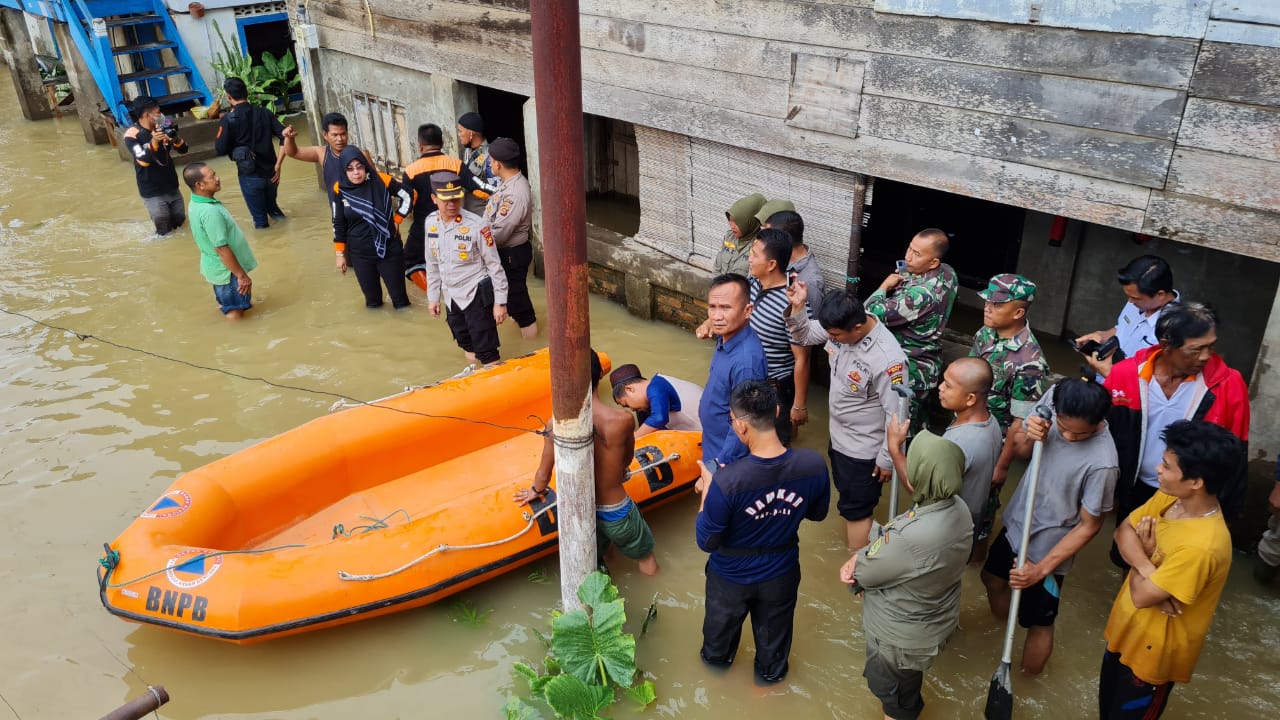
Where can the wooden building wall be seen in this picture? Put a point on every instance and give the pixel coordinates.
(1166, 135)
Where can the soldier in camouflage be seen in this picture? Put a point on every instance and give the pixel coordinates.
(1008, 345)
(915, 306)
(1020, 373)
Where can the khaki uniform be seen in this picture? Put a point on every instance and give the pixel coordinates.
(507, 213)
(862, 378)
(460, 254)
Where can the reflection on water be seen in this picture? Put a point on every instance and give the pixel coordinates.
(93, 433)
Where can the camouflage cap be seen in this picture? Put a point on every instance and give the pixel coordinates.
(1008, 286)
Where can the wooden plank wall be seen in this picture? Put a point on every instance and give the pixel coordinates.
(1117, 129)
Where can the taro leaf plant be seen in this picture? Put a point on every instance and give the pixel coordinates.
(590, 658)
(279, 77)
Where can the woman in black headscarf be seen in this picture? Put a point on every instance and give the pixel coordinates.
(367, 210)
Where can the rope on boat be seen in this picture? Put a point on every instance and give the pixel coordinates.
(374, 524)
(444, 547)
(112, 559)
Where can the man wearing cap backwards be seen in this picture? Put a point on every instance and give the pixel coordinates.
(743, 227)
(463, 262)
(658, 401)
(915, 307)
(507, 215)
(475, 155)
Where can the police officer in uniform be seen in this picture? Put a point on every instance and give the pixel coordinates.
(508, 214)
(463, 263)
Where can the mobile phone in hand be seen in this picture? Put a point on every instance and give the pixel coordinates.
(900, 267)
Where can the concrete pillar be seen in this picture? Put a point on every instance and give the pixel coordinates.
(20, 56)
(89, 100)
(1264, 392)
(1052, 269)
(535, 183)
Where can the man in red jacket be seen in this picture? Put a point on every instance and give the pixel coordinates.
(1182, 378)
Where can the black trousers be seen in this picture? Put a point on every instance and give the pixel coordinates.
(772, 607)
(516, 261)
(1123, 696)
(474, 329)
(786, 388)
(390, 270)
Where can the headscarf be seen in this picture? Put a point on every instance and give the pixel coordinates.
(370, 199)
(935, 466)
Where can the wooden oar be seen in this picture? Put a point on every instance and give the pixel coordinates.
(1000, 694)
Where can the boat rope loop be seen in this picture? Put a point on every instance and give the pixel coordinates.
(444, 548)
(343, 400)
(113, 558)
(374, 524)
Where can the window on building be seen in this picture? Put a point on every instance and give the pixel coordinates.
(382, 130)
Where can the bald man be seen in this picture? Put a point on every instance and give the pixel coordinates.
(964, 389)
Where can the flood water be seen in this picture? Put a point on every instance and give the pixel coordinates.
(93, 433)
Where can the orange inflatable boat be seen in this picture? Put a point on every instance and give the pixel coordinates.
(368, 511)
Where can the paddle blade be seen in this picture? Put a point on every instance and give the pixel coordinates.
(1000, 695)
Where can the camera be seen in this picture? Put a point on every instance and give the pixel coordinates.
(168, 127)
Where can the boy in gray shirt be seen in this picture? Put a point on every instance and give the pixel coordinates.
(963, 390)
(1078, 471)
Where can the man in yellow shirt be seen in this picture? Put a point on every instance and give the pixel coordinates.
(1179, 551)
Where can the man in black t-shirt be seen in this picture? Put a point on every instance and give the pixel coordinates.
(245, 134)
(150, 141)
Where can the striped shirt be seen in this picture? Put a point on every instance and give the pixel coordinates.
(770, 324)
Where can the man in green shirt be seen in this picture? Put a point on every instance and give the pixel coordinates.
(225, 257)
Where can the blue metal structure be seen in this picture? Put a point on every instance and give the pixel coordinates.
(132, 33)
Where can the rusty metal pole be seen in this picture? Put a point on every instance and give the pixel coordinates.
(141, 705)
(557, 88)
(855, 232)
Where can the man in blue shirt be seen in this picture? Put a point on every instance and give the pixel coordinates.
(748, 521)
(739, 356)
(656, 401)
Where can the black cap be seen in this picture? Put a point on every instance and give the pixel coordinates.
(504, 150)
(447, 185)
(472, 121)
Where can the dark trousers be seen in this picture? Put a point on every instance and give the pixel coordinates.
(1126, 502)
(516, 261)
(786, 388)
(390, 270)
(772, 607)
(474, 329)
(1121, 696)
(260, 195)
(167, 211)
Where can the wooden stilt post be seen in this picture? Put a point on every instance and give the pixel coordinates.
(855, 232)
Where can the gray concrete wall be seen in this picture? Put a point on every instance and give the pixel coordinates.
(1241, 289)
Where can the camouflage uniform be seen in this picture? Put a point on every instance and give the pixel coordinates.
(1021, 373)
(917, 313)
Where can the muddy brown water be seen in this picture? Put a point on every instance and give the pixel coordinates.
(93, 433)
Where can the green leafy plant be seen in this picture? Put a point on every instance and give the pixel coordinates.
(267, 83)
(538, 576)
(464, 613)
(279, 77)
(590, 658)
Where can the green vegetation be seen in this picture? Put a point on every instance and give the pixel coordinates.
(467, 615)
(269, 84)
(589, 659)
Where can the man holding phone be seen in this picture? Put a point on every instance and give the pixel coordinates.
(915, 303)
(1148, 284)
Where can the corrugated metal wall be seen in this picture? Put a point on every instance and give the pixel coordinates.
(686, 185)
